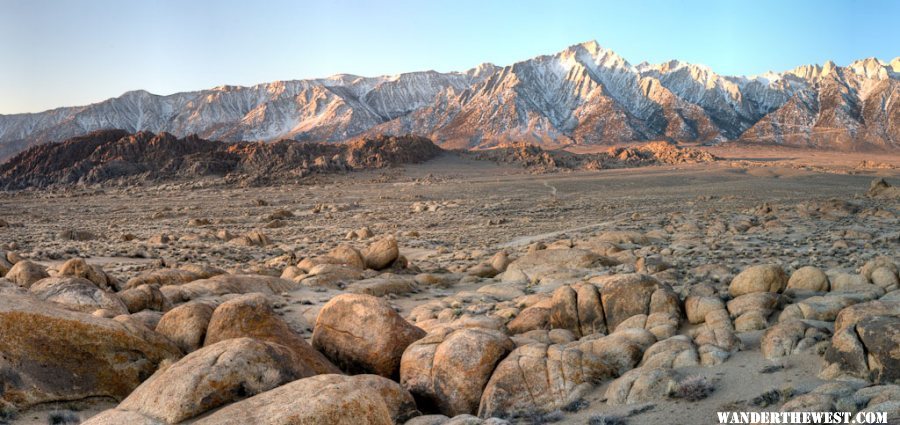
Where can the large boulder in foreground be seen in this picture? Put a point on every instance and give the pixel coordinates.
(322, 400)
(53, 354)
(449, 368)
(252, 316)
(216, 375)
(363, 334)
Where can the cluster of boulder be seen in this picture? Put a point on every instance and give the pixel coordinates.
(540, 160)
(535, 335)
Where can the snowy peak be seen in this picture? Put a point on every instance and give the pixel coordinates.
(870, 68)
(585, 93)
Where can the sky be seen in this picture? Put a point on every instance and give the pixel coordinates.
(67, 53)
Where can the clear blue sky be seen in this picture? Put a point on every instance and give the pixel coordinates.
(63, 53)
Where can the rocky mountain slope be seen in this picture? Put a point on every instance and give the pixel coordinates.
(115, 155)
(584, 94)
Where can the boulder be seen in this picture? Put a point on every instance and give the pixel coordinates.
(118, 417)
(823, 308)
(387, 283)
(500, 261)
(627, 295)
(186, 324)
(202, 271)
(53, 354)
(696, 307)
(623, 237)
(808, 278)
(331, 275)
(322, 399)
(482, 270)
(448, 369)
(846, 356)
(213, 376)
(77, 267)
(578, 310)
(812, 402)
(529, 319)
(228, 284)
(307, 264)
(717, 331)
(161, 277)
(761, 278)
(252, 316)
(381, 253)
(252, 238)
(640, 385)
(751, 321)
(5, 264)
(877, 263)
(675, 352)
(790, 337)
(848, 281)
(77, 294)
(880, 335)
(148, 318)
(852, 315)
(885, 278)
(762, 302)
(620, 351)
(363, 334)
(534, 266)
(25, 273)
(144, 297)
(348, 255)
(539, 378)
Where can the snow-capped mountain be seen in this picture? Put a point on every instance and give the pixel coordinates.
(584, 94)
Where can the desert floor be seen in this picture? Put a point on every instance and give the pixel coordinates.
(451, 214)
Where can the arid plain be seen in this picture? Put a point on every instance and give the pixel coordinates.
(761, 281)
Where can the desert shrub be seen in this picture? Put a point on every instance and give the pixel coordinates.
(540, 418)
(63, 417)
(8, 412)
(694, 388)
(601, 419)
(771, 368)
(575, 405)
(773, 397)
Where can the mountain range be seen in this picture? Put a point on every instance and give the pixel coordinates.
(585, 94)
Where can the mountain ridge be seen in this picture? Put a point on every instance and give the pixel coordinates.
(584, 94)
